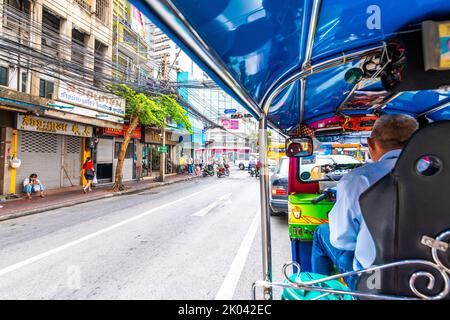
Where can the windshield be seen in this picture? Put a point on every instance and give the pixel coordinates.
(283, 170)
(326, 167)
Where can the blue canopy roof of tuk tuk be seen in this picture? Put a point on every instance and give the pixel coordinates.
(262, 42)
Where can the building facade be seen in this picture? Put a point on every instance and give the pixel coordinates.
(135, 41)
(55, 57)
(236, 142)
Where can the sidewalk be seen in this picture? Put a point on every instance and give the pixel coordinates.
(55, 199)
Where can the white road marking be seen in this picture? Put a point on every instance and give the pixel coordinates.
(207, 209)
(92, 235)
(228, 287)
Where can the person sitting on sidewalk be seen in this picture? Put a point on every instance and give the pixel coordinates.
(32, 184)
(89, 174)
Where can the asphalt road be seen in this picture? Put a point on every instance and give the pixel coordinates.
(194, 240)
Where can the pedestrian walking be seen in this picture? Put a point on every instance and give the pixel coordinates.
(190, 165)
(182, 162)
(89, 174)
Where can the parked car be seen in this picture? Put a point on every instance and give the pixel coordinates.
(279, 188)
(272, 164)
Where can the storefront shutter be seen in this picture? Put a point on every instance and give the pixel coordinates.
(105, 151)
(72, 161)
(40, 153)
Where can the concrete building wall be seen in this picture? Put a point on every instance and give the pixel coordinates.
(51, 40)
(85, 20)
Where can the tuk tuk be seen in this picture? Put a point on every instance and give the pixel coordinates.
(303, 66)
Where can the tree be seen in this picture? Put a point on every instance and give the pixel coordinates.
(141, 109)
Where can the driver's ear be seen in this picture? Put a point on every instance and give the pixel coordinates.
(371, 143)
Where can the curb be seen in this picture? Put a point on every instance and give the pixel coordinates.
(99, 197)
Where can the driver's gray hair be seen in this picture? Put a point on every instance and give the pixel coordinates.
(393, 131)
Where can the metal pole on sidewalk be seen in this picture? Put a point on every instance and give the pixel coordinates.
(265, 217)
(162, 157)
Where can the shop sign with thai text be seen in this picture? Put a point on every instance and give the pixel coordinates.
(100, 101)
(40, 124)
(121, 132)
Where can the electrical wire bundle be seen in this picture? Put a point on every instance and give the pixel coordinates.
(41, 48)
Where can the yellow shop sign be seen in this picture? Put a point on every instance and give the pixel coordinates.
(40, 124)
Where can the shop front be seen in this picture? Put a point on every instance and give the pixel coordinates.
(51, 148)
(198, 144)
(108, 142)
(106, 112)
(192, 145)
(151, 153)
(103, 157)
(6, 146)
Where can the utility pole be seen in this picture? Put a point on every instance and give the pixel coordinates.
(162, 156)
(164, 68)
(137, 60)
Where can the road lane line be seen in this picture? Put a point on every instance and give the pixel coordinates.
(92, 235)
(207, 209)
(228, 287)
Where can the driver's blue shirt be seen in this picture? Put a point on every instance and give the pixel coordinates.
(348, 231)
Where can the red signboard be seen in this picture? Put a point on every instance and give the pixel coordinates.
(121, 132)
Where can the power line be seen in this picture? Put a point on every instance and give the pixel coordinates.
(39, 47)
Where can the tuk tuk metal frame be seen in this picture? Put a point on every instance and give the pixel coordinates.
(173, 19)
(301, 76)
(435, 244)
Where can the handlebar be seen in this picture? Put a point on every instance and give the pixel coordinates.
(329, 193)
(319, 198)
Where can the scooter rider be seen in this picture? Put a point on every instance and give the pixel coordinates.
(219, 161)
(251, 164)
(226, 166)
(220, 167)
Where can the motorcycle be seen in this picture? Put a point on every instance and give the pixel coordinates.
(252, 171)
(208, 170)
(227, 169)
(220, 172)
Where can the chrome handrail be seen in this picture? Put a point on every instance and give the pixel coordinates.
(437, 265)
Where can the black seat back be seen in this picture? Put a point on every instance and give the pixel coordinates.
(406, 205)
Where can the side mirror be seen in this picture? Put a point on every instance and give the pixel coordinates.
(299, 147)
(305, 176)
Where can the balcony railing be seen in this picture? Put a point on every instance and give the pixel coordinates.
(102, 10)
(16, 24)
(85, 5)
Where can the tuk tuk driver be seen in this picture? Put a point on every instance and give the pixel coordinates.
(346, 242)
